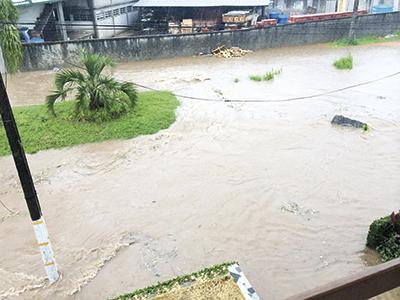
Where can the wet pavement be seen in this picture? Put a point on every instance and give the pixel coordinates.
(271, 185)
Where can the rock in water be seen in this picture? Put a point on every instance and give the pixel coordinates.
(343, 121)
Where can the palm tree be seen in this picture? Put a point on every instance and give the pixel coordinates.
(10, 42)
(95, 93)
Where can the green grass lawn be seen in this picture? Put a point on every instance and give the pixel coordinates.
(40, 131)
(366, 40)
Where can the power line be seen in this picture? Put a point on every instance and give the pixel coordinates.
(265, 100)
(279, 100)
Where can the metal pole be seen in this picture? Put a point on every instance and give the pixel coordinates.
(28, 186)
(353, 21)
(95, 27)
(61, 20)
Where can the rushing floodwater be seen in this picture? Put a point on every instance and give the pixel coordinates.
(271, 185)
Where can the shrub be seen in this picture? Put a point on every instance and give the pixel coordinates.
(384, 236)
(10, 43)
(98, 97)
(344, 63)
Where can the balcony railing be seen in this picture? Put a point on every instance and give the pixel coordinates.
(375, 281)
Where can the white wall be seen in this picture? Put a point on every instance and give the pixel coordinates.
(102, 3)
(28, 14)
(2, 64)
(119, 15)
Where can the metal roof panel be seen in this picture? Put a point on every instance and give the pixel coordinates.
(200, 3)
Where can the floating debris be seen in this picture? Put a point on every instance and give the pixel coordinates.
(296, 209)
(344, 121)
(224, 52)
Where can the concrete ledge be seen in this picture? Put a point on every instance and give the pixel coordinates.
(56, 54)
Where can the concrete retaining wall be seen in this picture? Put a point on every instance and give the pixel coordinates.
(51, 55)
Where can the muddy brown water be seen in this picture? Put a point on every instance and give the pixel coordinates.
(271, 185)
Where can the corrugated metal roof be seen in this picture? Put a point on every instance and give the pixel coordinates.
(30, 2)
(200, 3)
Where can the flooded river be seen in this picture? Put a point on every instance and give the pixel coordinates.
(271, 185)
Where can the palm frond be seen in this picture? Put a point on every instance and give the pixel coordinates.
(51, 100)
(130, 90)
(68, 76)
(95, 63)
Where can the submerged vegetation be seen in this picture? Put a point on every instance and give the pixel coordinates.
(384, 236)
(98, 97)
(39, 131)
(159, 288)
(344, 63)
(267, 76)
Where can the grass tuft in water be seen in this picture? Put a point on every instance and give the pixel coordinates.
(344, 63)
(267, 76)
(256, 77)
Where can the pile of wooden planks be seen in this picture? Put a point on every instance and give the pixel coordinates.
(224, 52)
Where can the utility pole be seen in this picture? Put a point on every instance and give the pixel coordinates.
(28, 187)
(353, 22)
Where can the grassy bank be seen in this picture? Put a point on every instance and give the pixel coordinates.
(210, 283)
(40, 131)
(367, 40)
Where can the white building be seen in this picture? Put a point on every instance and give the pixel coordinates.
(70, 19)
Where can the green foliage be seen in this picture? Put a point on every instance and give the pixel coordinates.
(346, 42)
(344, 63)
(236, 80)
(384, 236)
(267, 76)
(10, 42)
(367, 40)
(390, 248)
(159, 288)
(379, 231)
(256, 77)
(40, 131)
(365, 127)
(98, 97)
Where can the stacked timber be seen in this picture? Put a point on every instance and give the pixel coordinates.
(224, 52)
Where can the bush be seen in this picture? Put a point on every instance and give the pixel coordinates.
(98, 97)
(384, 236)
(344, 63)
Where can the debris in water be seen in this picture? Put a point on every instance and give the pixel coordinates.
(294, 208)
(344, 121)
(224, 52)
